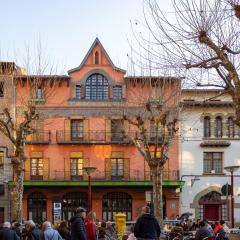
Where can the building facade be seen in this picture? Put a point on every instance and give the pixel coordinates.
(209, 142)
(8, 70)
(81, 117)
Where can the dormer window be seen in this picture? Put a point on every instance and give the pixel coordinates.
(78, 92)
(117, 92)
(96, 87)
(96, 58)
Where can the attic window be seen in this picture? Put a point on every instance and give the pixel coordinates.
(96, 58)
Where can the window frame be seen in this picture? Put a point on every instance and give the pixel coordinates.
(207, 127)
(74, 166)
(119, 168)
(117, 92)
(218, 131)
(1, 159)
(210, 160)
(38, 169)
(116, 130)
(230, 127)
(39, 93)
(96, 87)
(77, 131)
(78, 92)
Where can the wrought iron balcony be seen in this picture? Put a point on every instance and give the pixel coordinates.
(100, 137)
(39, 137)
(132, 175)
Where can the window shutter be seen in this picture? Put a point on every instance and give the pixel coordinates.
(108, 168)
(124, 92)
(82, 92)
(45, 168)
(126, 168)
(85, 129)
(108, 130)
(67, 174)
(85, 164)
(67, 129)
(27, 171)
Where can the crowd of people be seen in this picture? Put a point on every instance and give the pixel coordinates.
(199, 230)
(87, 227)
(80, 226)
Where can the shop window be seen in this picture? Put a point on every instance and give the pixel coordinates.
(116, 202)
(37, 207)
(71, 201)
(213, 162)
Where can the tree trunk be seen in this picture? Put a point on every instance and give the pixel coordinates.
(157, 194)
(17, 191)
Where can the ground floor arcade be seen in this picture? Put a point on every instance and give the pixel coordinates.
(39, 202)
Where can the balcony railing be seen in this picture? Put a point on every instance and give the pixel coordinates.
(132, 175)
(43, 137)
(68, 137)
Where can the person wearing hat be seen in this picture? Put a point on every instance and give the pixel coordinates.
(78, 229)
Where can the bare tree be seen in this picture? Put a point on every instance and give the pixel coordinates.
(158, 106)
(17, 121)
(197, 39)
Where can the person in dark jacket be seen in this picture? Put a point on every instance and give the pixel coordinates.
(147, 226)
(63, 231)
(202, 232)
(78, 230)
(8, 234)
(33, 232)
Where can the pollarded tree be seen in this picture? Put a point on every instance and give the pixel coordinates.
(197, 39)
(154, 126)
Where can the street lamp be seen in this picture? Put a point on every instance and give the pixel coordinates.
(232, 169)
(88, 171)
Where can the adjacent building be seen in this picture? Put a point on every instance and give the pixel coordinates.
(209, 141)
(80, 126)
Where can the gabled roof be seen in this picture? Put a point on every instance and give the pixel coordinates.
(96, 41)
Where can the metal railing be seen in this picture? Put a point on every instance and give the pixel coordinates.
(39, 137)
(68, 137)
(132, 175)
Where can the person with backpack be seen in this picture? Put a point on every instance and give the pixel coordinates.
(50, 233)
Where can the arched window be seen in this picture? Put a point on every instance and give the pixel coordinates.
(218, 127)
(230, 127)
(96, 59)
(206, 127)
(116, 202)
(37, 207)
(71, 201)
(96, 87)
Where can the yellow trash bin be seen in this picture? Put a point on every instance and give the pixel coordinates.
(120, 223)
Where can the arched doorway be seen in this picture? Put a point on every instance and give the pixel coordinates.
(116, 202)
(37, 207)
(71, 201)
(212, 207)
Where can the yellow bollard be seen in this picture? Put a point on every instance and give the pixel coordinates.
(120, 223)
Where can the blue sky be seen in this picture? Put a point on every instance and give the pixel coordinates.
(67, 28)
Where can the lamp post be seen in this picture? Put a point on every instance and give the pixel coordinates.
(232, 169)
(88, 171)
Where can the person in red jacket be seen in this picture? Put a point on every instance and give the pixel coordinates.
(90, 226)
(218, 226)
